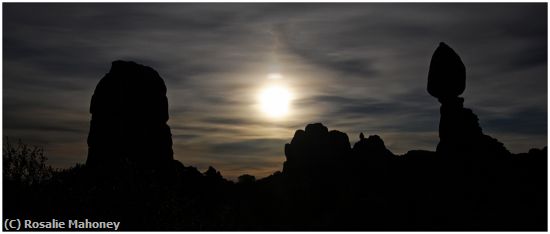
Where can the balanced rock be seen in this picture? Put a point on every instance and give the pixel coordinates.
(447, 74)
(459, 130)
(129, 113)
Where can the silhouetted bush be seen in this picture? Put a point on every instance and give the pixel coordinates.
(24, 164)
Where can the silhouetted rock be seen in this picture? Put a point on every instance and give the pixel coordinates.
(447, 74)
(315, 148)
(316, 130)
(213, 173)
(339, 142)
(129, 113)
(459, 130)
(371, 159)
(373, 145)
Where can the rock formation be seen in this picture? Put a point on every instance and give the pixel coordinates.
(315, 149)
(459, 130)
(374, 145)
(129, 113)
(213, 173)
(318, 154)
(447, 75)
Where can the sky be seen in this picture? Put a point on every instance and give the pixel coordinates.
(358, 67)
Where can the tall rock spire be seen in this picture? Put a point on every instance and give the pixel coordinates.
(129, 113)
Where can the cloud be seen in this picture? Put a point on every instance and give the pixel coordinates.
(246, 147)
(528, 121)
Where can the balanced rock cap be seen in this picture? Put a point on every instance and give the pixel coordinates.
(447, 74)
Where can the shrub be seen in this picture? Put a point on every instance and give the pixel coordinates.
(25, 164)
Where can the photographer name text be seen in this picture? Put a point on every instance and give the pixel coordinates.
(55, 224)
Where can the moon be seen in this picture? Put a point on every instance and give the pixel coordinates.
(275, 101)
